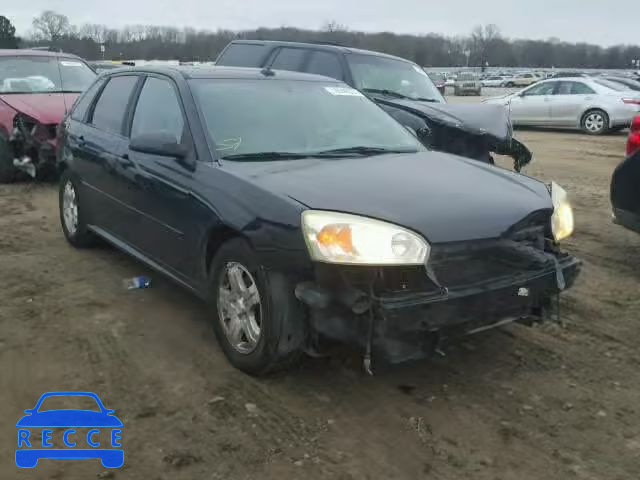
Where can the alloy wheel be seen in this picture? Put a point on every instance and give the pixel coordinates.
(70, 208)
(239, 308)
(594, 122)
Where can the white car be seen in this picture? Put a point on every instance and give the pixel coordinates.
(494, 81)
(591, 104)
(520, 80)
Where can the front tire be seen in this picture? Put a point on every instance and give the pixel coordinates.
(595, 122)
(259, 323)
(72, 217)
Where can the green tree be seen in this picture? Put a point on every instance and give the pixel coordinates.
(7, 33)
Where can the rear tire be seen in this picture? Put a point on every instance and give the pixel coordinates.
(7, 170)
(72, 215)
(278, 341)
(595, 122)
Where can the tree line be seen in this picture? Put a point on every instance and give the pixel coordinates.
(485, 45)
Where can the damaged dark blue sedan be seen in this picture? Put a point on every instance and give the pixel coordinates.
(306, 215)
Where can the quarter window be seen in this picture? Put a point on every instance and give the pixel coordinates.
(158, 110)
(109, 111)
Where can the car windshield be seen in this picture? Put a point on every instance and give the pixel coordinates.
(33, 74)
(247, 117)
(466, 77)
(373, 72)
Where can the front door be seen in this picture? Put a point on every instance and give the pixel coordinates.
(167, 208)
(532, 106)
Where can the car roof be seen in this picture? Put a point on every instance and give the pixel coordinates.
(219, 72)
(18, 52)
(319, 46)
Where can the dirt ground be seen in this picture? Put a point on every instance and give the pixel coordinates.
(553, 402)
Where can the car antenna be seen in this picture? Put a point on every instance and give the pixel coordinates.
(267, 72)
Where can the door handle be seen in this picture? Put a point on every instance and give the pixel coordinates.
(81, 140)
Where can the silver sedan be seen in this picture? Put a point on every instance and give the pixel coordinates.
(592, 104)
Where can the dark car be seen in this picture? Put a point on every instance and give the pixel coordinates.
(304, 212)
(36, 90)
(625, 190)
(399, 86)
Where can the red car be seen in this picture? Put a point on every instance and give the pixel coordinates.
(37, 88)
(633, 144)
(625, 190)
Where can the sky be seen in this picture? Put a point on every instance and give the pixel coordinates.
(593, 21)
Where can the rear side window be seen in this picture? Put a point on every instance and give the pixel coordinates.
(158, 110)
(109, 111)
(81, 106)
(327, 64)
(574, 88)
(242, 55)
(289, 59)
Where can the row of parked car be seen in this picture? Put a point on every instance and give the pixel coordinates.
(312, 194)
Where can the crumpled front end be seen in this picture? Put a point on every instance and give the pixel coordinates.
(33, 146)
(402, 313)
(472, 131)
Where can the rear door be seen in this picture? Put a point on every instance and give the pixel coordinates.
(569, 101)
(101, 146)
(532, 106)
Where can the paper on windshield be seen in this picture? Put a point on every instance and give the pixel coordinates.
(344, 91)
(68, 63)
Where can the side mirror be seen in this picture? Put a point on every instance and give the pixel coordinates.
(158, 144)
(29, 410)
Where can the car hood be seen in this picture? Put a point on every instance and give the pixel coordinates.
(46, 108)
(69, 418)
(479, 119)
(444, 197)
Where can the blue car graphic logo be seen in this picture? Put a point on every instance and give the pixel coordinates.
(31, 449)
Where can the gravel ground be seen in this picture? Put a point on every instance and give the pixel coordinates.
(554, 402)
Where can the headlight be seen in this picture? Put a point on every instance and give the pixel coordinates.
(350, 239)
(562, 219)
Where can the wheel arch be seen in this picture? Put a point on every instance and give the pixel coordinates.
(217, 236)
(592, 108)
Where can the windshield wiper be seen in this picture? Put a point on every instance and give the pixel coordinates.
(262, 156)
(362, 150)
(390, 93)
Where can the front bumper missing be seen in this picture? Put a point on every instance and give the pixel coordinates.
(408, 326)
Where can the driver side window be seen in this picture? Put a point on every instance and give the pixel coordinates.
(540, 89)
(158, 111)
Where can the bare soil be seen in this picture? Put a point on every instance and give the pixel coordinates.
(553, 402)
